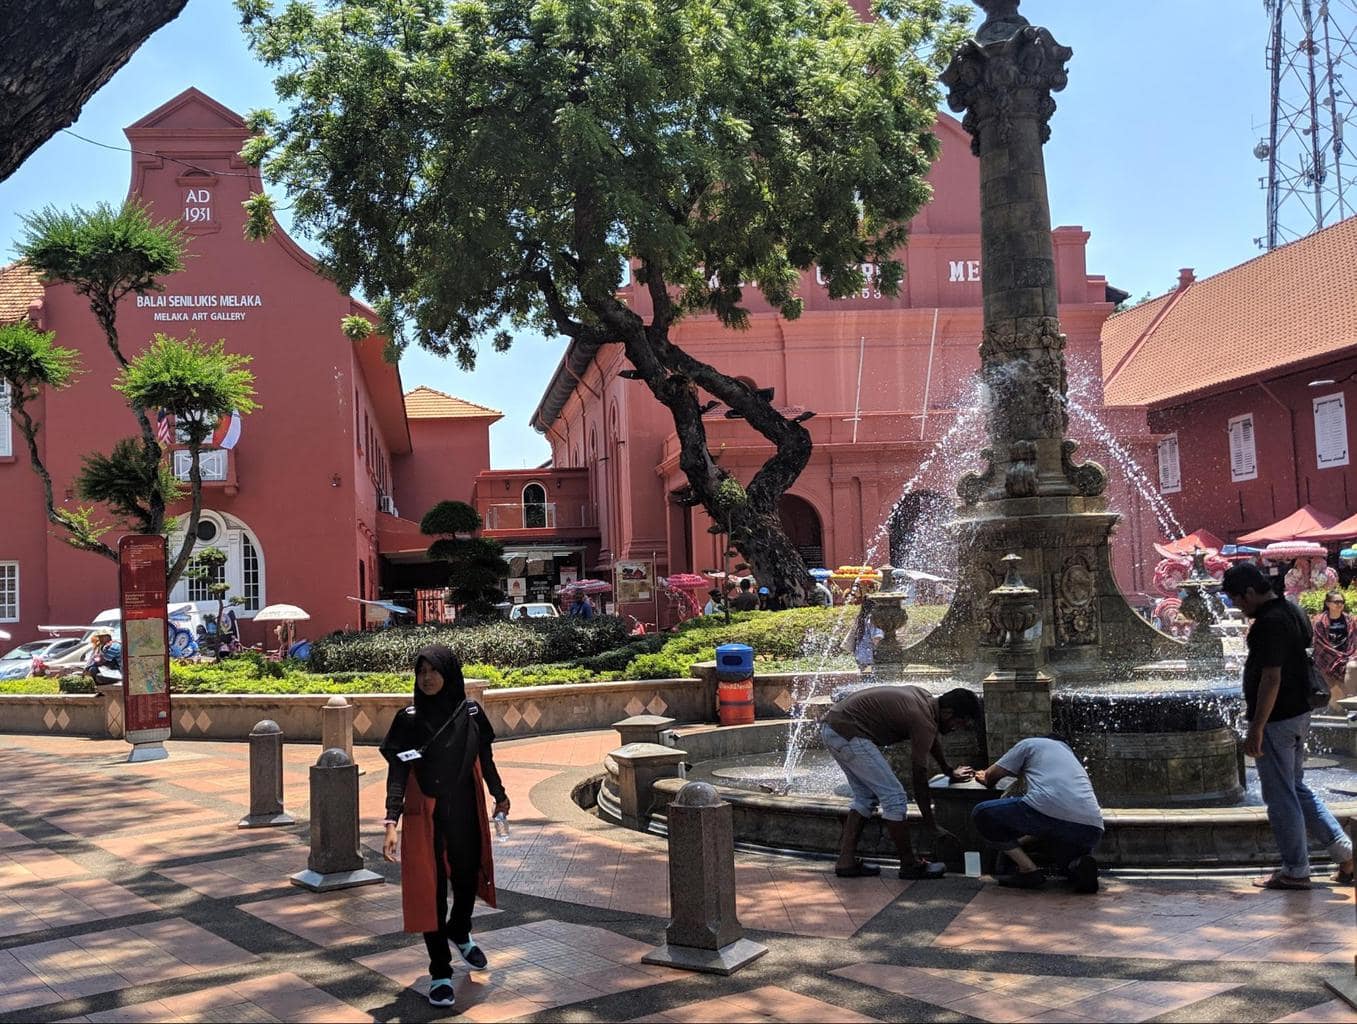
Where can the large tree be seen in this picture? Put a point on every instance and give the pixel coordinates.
(55, 54)
(481, 166)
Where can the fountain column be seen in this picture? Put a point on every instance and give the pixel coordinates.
(1032, 497)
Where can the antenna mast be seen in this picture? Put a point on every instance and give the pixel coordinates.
(1312, 63)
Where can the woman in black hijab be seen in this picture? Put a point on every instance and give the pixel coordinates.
(440, 764)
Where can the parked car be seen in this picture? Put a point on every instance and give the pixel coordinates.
(18, 663)
(535, 610)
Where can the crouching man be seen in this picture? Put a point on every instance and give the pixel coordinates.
(855, 729)
(1058, 806)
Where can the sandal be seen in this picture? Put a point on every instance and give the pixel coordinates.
(1277, 880)
(858, 870)
(1342, 877)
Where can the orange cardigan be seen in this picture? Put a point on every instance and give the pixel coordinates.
(419, 877)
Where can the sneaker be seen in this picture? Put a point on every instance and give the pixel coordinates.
(922, 869)
(1084, 873)
(473, 954)
(1023, 880)
(441, 993)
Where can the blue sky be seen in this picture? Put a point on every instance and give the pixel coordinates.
(1151, 152)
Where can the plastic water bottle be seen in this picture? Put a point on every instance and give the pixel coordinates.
(501, 821)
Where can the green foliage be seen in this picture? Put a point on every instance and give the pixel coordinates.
(1312, 601)
(450, 517)
(500, 642)
(258, 208)
(29, 685)
(123, 480)
(30, 361)
(75, 684)
(476, 565)
(197, 382)
(356, 328)
(546, 143)
(251, 673)
(105, 252)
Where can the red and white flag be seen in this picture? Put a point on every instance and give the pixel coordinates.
(164, 428)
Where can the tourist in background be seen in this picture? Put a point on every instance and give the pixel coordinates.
(1058, 806)
(1276, 697)
(863, 638)
(1335, 642)
(856, 728)
(581, 607)
(440, 763)
(764, 599)
(714, 605)
(746, 600)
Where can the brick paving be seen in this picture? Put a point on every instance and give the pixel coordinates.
(128, 894)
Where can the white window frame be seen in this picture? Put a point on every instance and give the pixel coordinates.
(6, 424)
(1330, 408)
(231, 533)
(1170, 482)
(1245, 467)
(5, 567)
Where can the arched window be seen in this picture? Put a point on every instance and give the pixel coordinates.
(534, 506)
(242, 572)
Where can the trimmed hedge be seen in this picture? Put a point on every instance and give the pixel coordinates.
(502, 643)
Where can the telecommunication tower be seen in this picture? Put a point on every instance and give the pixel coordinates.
(1311, 177)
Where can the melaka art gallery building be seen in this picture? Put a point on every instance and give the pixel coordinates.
(306, 503)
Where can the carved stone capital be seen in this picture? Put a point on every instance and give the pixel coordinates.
(1009, 70)
(1088, 478)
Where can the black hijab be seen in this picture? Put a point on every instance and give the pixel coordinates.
(442, 726)
(442, 705)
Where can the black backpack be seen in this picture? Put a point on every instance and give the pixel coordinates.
(1316, 686)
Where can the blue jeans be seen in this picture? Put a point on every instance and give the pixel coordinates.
(870, 776)
(1292, 807)
(1001, 823)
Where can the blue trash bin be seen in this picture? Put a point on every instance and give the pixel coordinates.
(734, 661)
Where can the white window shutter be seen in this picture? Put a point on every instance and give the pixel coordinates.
(1170, 470)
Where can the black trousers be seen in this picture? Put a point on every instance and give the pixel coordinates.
(461, 840)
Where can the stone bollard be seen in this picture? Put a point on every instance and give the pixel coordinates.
(643, 729)
(1344, 984)
(336, 860)
(336, 726)
(266, 778)
(703, 934)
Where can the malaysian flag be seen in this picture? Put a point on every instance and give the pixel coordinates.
(164, 428)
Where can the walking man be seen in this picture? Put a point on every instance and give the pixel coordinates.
(855, 729)
(1058, 806)
(1276, 684)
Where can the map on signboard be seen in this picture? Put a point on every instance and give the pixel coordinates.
(144, 660)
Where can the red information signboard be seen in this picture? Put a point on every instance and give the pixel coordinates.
(145, 640)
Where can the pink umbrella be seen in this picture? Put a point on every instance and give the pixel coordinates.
(588, 587)
(687, 581)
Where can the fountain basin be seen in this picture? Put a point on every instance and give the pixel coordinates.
(810, 822)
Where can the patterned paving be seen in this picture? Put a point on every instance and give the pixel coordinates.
(128, 894)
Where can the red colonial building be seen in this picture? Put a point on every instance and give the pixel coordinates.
(308, 504)
(891, 380)
(1244, 376)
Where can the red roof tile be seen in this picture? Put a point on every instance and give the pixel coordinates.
(425, 403)
(19, 287)
(1295, 303)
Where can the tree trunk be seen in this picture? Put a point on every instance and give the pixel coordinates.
(55, 54)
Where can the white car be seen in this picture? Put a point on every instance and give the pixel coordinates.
(18, 663)
(541, 610)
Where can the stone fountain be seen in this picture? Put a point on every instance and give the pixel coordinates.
(1033, 498)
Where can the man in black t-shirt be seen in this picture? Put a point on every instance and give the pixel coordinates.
(1276, 696)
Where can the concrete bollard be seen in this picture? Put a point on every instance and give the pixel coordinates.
(704, 933)
(336, 860)
(266, 778)
(1344, 984)
(336, 725)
